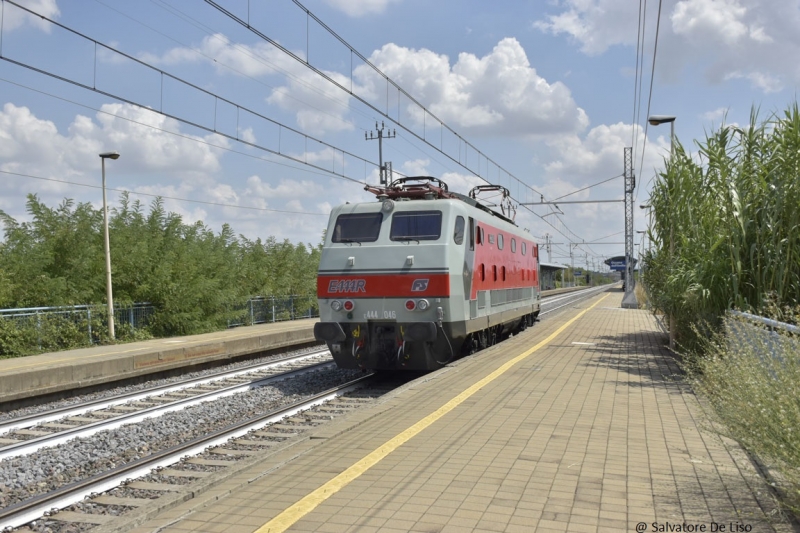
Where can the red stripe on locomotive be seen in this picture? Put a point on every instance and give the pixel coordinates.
(384, 286)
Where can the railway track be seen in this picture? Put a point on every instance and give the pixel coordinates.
(560, 301)
(25, 435)
(227, 447)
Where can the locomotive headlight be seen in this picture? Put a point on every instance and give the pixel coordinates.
(349, 305)
(422, 305)
(411, 305)
(336, 305)
(388, 205)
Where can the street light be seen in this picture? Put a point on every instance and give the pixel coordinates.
(656, 120)
(109, 297)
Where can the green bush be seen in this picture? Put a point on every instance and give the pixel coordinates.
(750, 376)
(195, 279)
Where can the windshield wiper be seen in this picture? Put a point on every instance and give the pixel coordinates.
(349, 241)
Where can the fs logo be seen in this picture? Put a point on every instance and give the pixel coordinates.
(419, 285)
(347, 285)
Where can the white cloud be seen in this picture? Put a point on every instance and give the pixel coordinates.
(728, 39)
(716, 115)
(595, 24)
(14, 18)
(759, 80)
(33, 146)
(318, 105)
(247, 135)
(141, 135)
(250, 60)
(360, 8)
(720, 19)
(499, 94)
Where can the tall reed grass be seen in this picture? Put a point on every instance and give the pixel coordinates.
(726, 229)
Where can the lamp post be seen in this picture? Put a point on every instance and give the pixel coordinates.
(656, 120)
(109, 297)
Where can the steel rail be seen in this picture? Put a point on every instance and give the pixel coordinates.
(104, 403)
(24, 512)
(32, 445)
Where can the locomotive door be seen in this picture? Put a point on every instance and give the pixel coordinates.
(469, 266)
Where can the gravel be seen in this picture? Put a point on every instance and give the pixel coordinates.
(49, 468)
(116, 391)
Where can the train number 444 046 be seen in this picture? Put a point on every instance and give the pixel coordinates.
(378, 314)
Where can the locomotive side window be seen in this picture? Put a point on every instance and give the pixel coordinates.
(524, 248)
(499, 241)
(416, 225)
(471, 233)
(458, 234)
(357, 227)
(491, 238)
(513, 245)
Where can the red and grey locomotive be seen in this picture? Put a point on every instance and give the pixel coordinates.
(421, 277)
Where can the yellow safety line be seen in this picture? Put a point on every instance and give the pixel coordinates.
(123, 352)
(289, 516)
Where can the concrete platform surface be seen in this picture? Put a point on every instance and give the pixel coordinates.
(582, 423)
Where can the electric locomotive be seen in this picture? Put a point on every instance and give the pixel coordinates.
(423, 276)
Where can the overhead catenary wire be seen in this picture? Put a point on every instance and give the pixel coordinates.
(564, 230)
(188, 84)
(217, 204)
(386, 115)
(650, 93)
(174, 133)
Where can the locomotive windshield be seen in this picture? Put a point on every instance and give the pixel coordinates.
(357, 227)
(416, 225)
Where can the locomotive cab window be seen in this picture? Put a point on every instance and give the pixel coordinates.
(357, 227)
(458, 233)
(416, 225)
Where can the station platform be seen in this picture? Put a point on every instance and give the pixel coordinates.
(57, 372)
(581, 423)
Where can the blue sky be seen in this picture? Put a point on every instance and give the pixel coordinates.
(543, 90)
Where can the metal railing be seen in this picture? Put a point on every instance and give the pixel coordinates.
(263, 309)
(86, 318)
(766, 336)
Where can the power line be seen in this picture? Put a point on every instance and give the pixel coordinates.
(217, 204)
(589, 187)
(161, 111)
(176, 134)
(385, 114)
(650, 95)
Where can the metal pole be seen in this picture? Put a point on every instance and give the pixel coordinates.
(629, 299)
(109, 295)
(380, 156)
(671, 240)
